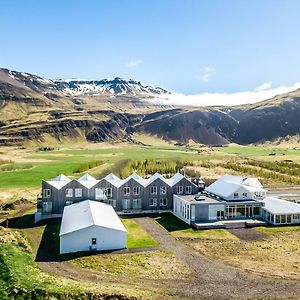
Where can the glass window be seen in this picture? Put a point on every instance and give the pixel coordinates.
(47, 207)
(112, 202)
(153, 202)
(244, 195)
(126, 190)
(136, 190)
(289, 218)
(100, 194)
(69, 193)
(256, 211)
(163, 202)
(108, 192)
(137, 203)
(126, 203)
(78, 192)
(94, 241)
(277, 218)
(235, 195)
(163, 190)
(46, 193)
(188, 189)
(180, 190)
(153, 190)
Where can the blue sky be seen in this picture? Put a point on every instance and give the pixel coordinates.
(188, 46)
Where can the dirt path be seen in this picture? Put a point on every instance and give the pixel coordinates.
(248, 234)
(211, 280)
(214, 280)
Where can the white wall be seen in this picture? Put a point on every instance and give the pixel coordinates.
(240, 191)
(81, 240)
(181, 209)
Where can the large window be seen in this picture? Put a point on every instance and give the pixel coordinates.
(136, 190)
(153, 190)
(163, 202)
(46, 193)
(112, 202)
(180, 189)
(126, 190)
(69, 193)
(100, 194)
(188, 189)
(163, 190)
(137, 203)
(153, 202)
(78, 193)
(256, 211)
(126, 204)
(47, 207)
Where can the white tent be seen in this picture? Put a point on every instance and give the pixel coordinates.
(91, 225)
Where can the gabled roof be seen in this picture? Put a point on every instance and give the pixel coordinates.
(59, 181)
(158, 176)
(88, 213)
(280, 206)
(111, 176)
(88, 181)
(175, 179)
(223, 189)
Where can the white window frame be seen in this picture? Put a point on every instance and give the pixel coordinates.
(153, 202)
(46, 193)
(78, 192)
(137, 203)
(245, 195)
(163, 190)
(136, 190)
(109, 192)
(127, 201)
(47, 207)
(100, 193)
(112, 202)
(188, 189)
(162, 202)
(69, 193)
(235, 195)
(180, 189)
(153, 190)
(126, 190)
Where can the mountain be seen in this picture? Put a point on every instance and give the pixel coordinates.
(38, 110)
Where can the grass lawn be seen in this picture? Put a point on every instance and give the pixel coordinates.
(278, 229)
(180, 229)
(137, 237)
(156, 264)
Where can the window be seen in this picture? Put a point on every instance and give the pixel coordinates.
(163, 202)
(163, 190)
(47, 207)
(69, 193)
(235, 195)
(180, 190)
(68, 203)
(188, 189)
(256, 211)
(94, 241)
(136, 190)
(153, 190)
(46, 193)
(153, 202)
(297, 216)
(126, 204)
(108, 192)
(78, 192)
(245, 195)
(136, 203)
(126, 190)
(100, 194)
(113, 203)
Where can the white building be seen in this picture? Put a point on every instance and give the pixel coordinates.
(230, 188)
(91, 225)
(278, 211)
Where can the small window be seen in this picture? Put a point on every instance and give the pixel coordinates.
(180, 189)
(78, 193)
(108, 192)
(153, 190)
(153, 202)
(69, 193)
(235, 195)
(136, 190)
(47, 207)
(112, 202)
(163, 190)
(94, 241)
(188, 189)
(163, 202)
(126, 190)
(245, 195)
(46, 193)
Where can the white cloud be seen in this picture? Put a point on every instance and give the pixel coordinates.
(264, 86)
(207, 73)
(225, 99)
(133, 63)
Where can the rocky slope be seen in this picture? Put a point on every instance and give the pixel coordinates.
(41, 110)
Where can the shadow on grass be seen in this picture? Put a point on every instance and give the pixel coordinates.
(23, 222)
(171, 223)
